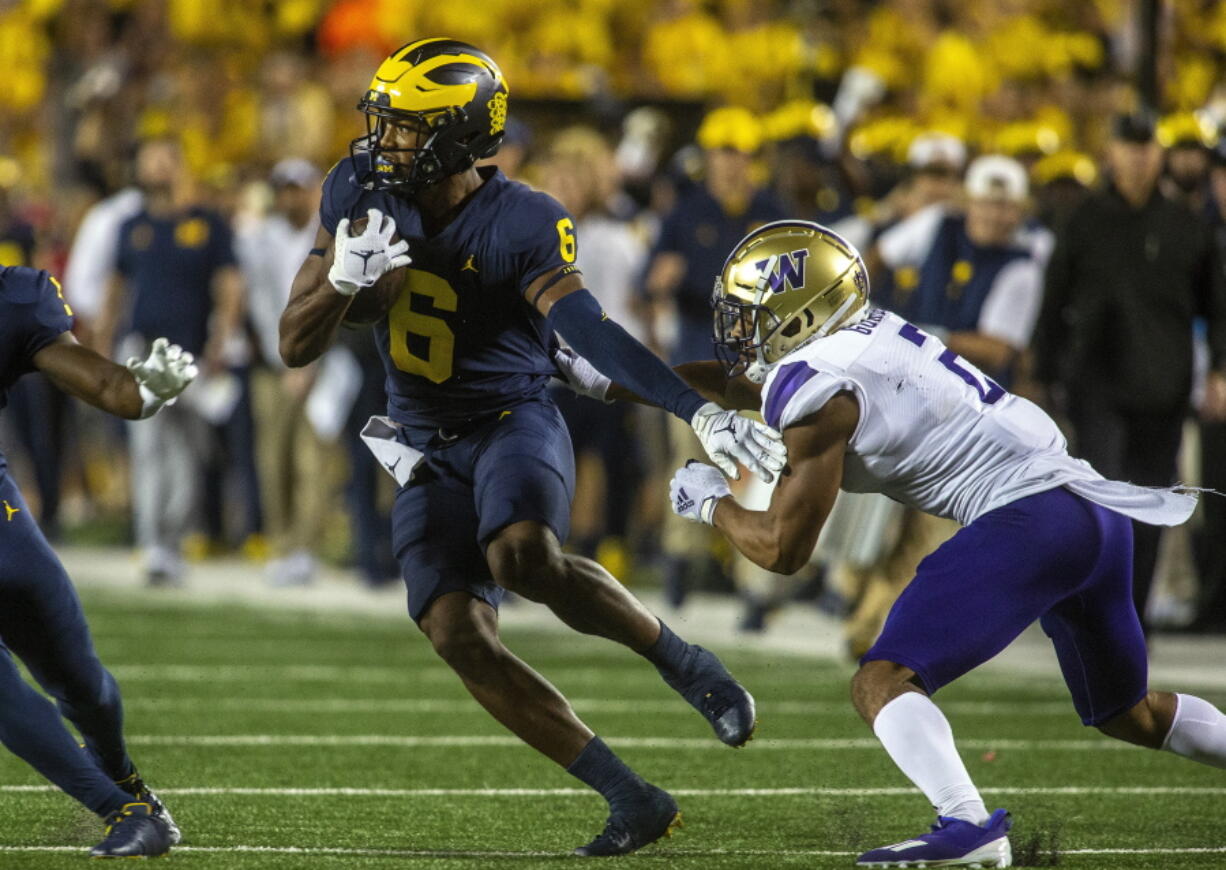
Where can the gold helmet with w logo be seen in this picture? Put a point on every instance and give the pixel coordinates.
(451, 90)
(783, 285)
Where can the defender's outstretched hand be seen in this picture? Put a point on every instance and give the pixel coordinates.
(162, 375)
(695, 490)
(729, 438)
(581, 376)
(359, 261)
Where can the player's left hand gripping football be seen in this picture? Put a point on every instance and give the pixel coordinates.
(695, 490)
(730, 438)
(162, 375)
(359, 261)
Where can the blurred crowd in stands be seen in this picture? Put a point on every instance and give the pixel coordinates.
(992, 160)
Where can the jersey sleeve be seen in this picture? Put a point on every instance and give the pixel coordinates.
(907, 243)
(540, 238)
(796, 390)
(340, 194)
(45, 314)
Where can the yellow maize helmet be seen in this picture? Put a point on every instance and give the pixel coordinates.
(451, 89)
(784, 285)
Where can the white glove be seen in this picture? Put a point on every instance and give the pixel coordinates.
(581, 376)
(696, 489)
(729, 438)
(162, 375)
(360, 261)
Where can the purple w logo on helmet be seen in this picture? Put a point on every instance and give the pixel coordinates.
(790, 271)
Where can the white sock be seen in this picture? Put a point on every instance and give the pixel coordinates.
(917, 736)
(1198, 732)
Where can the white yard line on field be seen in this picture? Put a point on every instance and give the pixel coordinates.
(499, 740)
(799, 791)
(583, 705)
(680, 853)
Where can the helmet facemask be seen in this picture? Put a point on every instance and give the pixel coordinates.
(424, 167)
(450, 94)
(743, 329)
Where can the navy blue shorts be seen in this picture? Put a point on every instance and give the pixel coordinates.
(516, 467)
(1054, 557)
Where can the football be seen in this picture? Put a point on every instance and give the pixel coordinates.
(371, 304)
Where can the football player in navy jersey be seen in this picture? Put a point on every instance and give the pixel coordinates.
(482, 456)
(41, 621)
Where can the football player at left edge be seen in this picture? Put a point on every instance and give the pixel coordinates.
(41, 621)
(485, 465)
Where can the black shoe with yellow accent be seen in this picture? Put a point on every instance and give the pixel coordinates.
(134, 831)
(136, 787)
(712, 691)
(632, 828)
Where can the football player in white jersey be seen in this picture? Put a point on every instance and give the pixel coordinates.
(868, 402)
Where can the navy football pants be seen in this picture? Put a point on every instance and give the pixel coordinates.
(41, 622)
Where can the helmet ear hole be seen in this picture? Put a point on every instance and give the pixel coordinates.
(792, 328)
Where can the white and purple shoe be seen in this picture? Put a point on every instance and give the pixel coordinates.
(950, 843)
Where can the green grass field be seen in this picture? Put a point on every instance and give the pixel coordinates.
(288, 740)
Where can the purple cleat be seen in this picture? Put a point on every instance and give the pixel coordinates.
(951, 843)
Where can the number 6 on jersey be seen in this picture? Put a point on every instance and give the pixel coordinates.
(419, 343)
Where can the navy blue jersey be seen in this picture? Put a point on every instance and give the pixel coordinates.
(170, 263)
(461, 342)
(33, 314)
(703, 233)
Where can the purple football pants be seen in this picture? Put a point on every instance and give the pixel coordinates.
(1054, 557)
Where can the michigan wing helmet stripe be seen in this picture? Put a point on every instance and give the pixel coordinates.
(411, 87)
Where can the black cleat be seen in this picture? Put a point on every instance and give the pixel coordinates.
(722, 701)
(626, 831)
(136, 787)
(134, 831)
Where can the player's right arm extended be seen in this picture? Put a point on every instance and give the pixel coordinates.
(710, 380)
(727, 437)
(133, 392)
(315, 309)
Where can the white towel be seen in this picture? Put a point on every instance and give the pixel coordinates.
(398, 459)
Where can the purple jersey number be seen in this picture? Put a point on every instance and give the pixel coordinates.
(989, 391)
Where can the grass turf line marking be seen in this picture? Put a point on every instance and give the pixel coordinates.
(798, 791)
(585, 705)
(680, 853)
(400, 740)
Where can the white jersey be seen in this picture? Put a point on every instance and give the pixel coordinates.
(936, 433)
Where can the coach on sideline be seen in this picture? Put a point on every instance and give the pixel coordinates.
(1130, 272)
